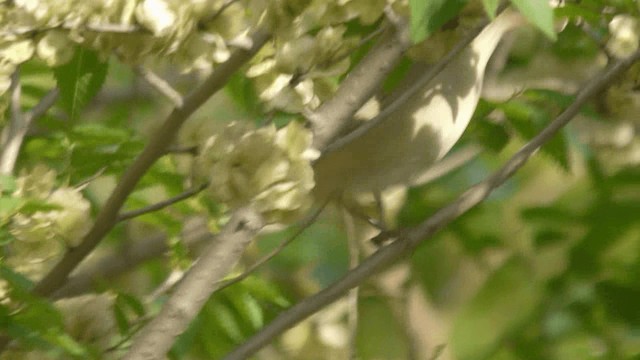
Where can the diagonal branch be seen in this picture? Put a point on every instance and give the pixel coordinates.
(419, 234)
(304, 224)
(160, 85)
(108, 216)
(331, 118)
(20, 123)
(120, 261)
(191, 293)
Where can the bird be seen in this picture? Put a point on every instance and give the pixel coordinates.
(414, 136)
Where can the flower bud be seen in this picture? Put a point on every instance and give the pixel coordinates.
(625, 36)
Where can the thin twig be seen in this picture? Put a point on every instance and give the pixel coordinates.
(98, 28)
(122, 259)
(161, 85)
(44, 105)
(107, 218)
(304, 224)
(174, 277)
(222, 8)
(16, 97)
(115, 28)
(20, 123)
(119, 261)
(192, 150)
(162, 204)
(404, 246)
(86, 181)
(12, 139)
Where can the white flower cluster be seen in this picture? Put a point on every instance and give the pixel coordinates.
(295, 75)
(291, 74)
(616, 139)
(310, 50)
(187, 33)
(625, 36)
(267, 168)
(42, 236)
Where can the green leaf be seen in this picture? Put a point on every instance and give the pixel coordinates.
(243, 93)
(125, 308)
(5, 236)
(97, 133)
(185, 343)
(427, 16)
(528, 120)
(247, 306)
(121, 319)
(17, 281)
(493, 136)
(539, 13)
(8, 205)
(380, 335)
(264, 290)
(97, 147)
(550, 215)
(80, 80)
(7, 184)
(579, 11)
(620, 301)
(227, 321)
(36, 79)
(507, 299)
(68, 344)
(547, 237)
(40, 316)
(33, 206)
(491, 6)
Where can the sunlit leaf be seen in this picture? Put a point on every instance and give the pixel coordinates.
(539, 13)
(7, 184)
(69, 345)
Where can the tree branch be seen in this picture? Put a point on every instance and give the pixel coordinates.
(108, 216)
(13, 139)
(156, 339)
(419, 234)
(20, 123)
(160, 85)
(304, 224)
(121, 260)
(331, 118)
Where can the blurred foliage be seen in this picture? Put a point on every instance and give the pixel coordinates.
(548, 267)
